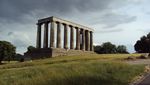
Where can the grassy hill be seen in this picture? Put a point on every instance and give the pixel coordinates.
(90, 69)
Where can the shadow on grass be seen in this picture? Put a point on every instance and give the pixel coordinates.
(87, 80)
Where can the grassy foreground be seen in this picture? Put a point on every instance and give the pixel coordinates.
(71, 70)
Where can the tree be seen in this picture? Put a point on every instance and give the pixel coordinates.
(108, 47)
(121, 49)
(105, 48)
(17, 57)
(98, 49)
(31, 48)
(143, 45)
(7, 50)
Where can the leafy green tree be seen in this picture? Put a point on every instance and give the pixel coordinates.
(7, 50)
(31, 48)
(143, 45)
(98, 49)
(108, 47)
(121, 49)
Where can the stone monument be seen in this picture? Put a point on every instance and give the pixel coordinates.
(61, 37)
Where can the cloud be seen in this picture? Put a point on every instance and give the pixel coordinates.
(111, 19)
(16, 10)
(109, 31)
(19, 39)
(144, 30)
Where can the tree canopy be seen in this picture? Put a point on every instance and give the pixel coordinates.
(30, 48)
(121, 49)
(108, 48)
(143, 45)
(7, 50)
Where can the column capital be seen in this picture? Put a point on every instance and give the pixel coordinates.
(65, 24)
(70, 26)
(57, 22)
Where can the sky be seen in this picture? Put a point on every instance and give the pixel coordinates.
(121, 22)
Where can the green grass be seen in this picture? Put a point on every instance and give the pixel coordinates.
(71, 70)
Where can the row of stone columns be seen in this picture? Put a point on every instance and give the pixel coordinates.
(84, 38)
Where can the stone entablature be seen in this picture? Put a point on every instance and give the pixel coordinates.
(56, 19)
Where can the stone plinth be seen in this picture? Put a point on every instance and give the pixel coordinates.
(53, 52)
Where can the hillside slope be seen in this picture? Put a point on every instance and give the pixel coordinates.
(71, 70)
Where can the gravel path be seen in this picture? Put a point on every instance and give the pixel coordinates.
(146, 78)
(145, 81)
(139, 61)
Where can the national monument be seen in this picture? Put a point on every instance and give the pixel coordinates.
(61, 37)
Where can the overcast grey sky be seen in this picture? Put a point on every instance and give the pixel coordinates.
(117, 21)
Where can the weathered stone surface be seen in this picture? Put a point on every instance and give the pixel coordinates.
(77, 38)
(38, 41)
(45, 43)
(56, 19)
(53, 52)
(65, 36)
(91, 41)
(83, 40)
(87, 34)
(58, 35)
(71, 38)
(52, 35)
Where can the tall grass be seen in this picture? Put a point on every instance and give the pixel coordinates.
(70, 71)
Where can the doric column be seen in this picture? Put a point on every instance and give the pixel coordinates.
(88, 33)
(71, 37)
(52, 35)
(65, 36)
(83, 39)
(87, 40)
(91, 41)
(58, 35)
(38, 40)
(45, 43)
(77, 38)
